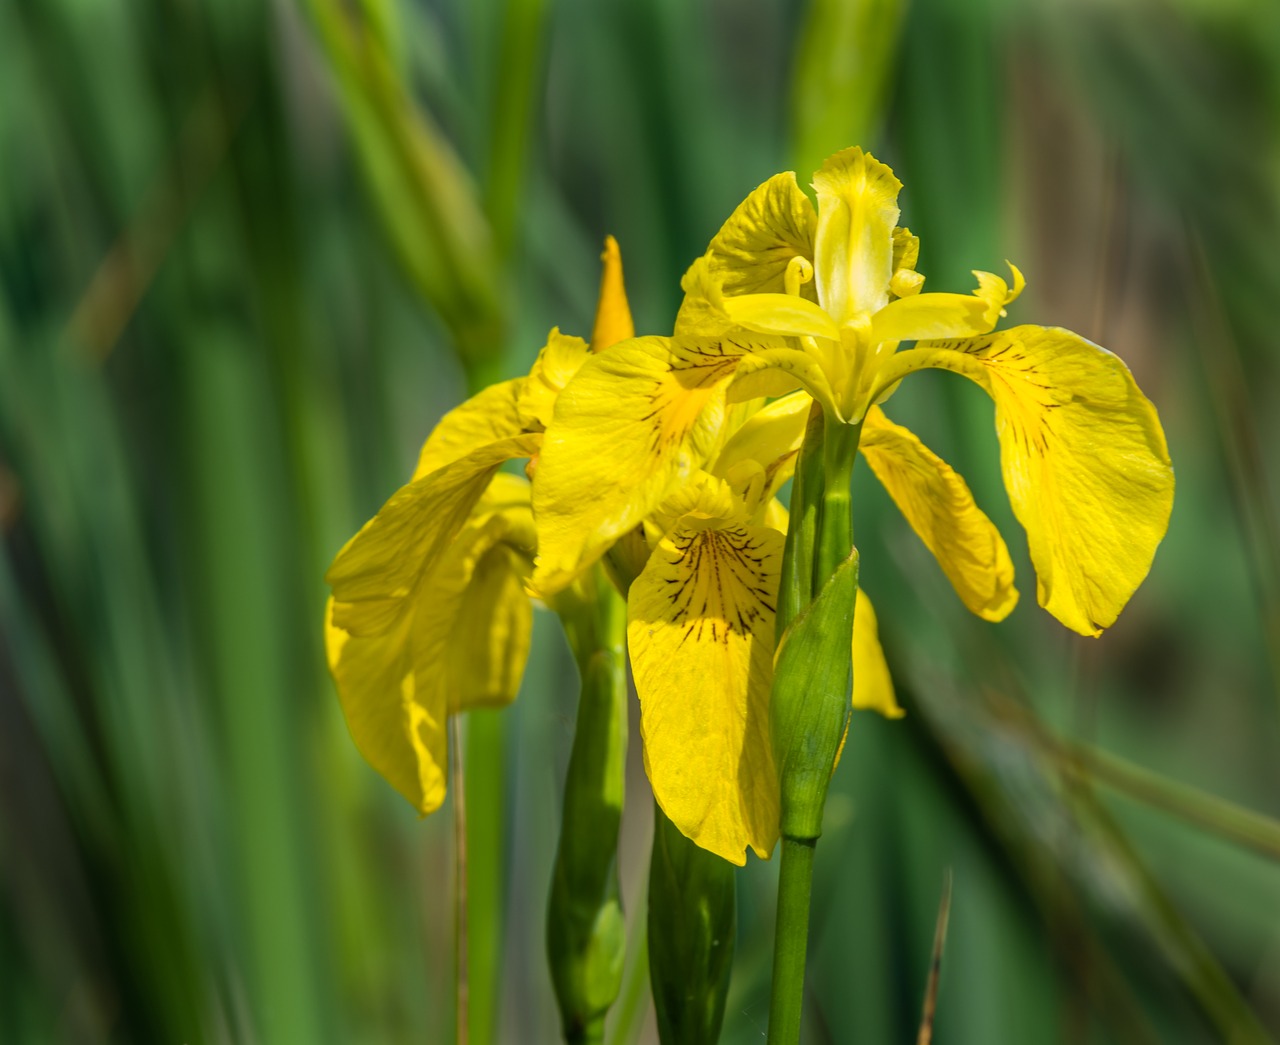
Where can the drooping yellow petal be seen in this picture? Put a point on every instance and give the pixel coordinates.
(942, 511)
(932, 316)
(402, 737)
(872, 683)
(489, 643)
(1084, 460)
(613, 315)
(635, 422)
(751, 252)
(857, 215)
(700, 633)
(376, 571)
(485, 418)
(460, 642)
(554, 368)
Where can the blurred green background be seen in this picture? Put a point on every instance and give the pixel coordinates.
(250, 253)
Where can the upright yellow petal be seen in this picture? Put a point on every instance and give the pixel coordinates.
(942, 511)
(378, 568)
(751, 252)
(872, 683)
(857, 215)
(636, 421)
(1084, 460)
(700, 633)
(485, 418)
(613, 314)
(560, 359)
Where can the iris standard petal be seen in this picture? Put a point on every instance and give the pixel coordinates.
(942, 511)
(751, 252)
(857, 215)
(700, 633)
(1084, 460)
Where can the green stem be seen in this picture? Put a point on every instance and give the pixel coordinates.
(811, 706)
(795, 882)
(796, 586)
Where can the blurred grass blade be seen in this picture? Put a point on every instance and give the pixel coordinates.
(519, 60)
(935, 965)
(844, 60)
(1216, 815)
(422, 192)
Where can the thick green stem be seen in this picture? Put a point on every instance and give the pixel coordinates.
(795, 882)
(795, 591)
(810, 705)
(586, 931)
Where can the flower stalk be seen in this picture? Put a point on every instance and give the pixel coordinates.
(586, 930)
(811, 698)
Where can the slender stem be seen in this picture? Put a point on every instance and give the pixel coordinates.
(458, 785)
(795, 882)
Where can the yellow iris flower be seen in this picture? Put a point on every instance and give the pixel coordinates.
(791, 297)
(700, 633)
(429, 614)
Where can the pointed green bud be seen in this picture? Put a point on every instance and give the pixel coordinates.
(586, 930)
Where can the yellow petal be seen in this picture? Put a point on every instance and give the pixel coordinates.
(932, 316)
(778, 371)
(378, 568)
(489, 642)
(941, 510)
(700, 633)
(770, 437)
(636, 421)
(554, 368)
(857, 215)
(783, 314)
(751, 252)
(484, 418)
(461, 642)
(613, 314)
(1084, 460)
(872, 683)
(400, 732)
